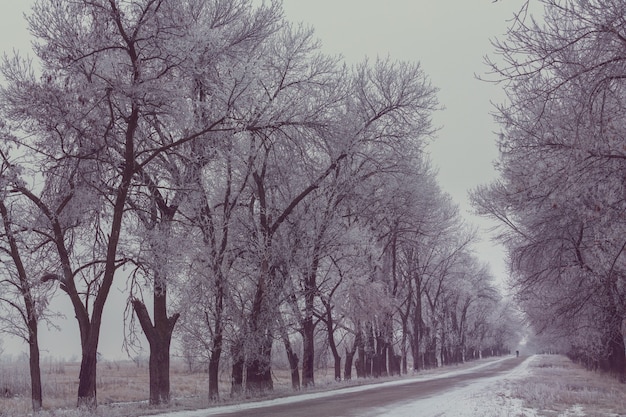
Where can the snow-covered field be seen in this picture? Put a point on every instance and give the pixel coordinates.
(486, 397)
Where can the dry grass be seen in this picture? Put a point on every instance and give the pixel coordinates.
(117, 383)
(556, 387)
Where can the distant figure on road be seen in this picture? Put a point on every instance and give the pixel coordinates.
(517, 353)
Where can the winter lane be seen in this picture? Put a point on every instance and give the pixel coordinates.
(376, 397)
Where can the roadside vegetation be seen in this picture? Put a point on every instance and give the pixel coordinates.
(556, 386)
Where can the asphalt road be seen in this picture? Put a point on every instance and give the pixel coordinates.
(358, 403)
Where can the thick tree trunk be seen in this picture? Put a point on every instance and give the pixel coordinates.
(337, 360)
(430, 351)
(214, 365)
(405, 369)
(159, 338)
(616, 358)
(330, 332)
(218, 339)
(394, 361)
(403, 349)
(259, 376)
(347, 368)
(418, 325)
(87, 376)
(236, 353)
(35, 369)
(368, 354)
(382, 350)
(308, 326)
(292, 357)
(360, 363)
(415, 353)
(259, 368)
(308, 352)
(160, 372)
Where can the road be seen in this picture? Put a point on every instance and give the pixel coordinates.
(348, 402)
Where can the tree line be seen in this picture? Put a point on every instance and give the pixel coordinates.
(267, 194)
(560, 196)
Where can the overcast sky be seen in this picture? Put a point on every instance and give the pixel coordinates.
(449, 38)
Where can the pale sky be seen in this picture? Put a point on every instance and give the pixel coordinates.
(449, 38)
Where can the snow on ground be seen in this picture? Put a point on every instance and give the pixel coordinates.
(483, 398)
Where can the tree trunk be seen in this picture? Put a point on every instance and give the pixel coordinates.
(308, 352)
(259, 377)
(259, 368)
(258, 362)
(160, 372)
(394, 361)
(337, 359)
(403, 349)
(382, 350)
(159, 338)
(292, 357)
(218, 339)
(308, 326)
(214, 365)
(236, 353)
(430, 351)
(417, 334)
(35, 369)
(347, 367)
(330, 331)
(370, 351)
(360, 363)
(87, 376)
(616, 360)
(415, 352)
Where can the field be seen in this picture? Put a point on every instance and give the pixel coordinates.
(118, 384)
(553, 386)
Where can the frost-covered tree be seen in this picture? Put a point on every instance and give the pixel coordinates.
(24, 257)
(561, 193)
(114, 93)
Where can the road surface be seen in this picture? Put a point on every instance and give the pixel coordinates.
(347, 402)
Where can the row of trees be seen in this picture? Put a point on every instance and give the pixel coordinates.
(560, 197)
(209, 151)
